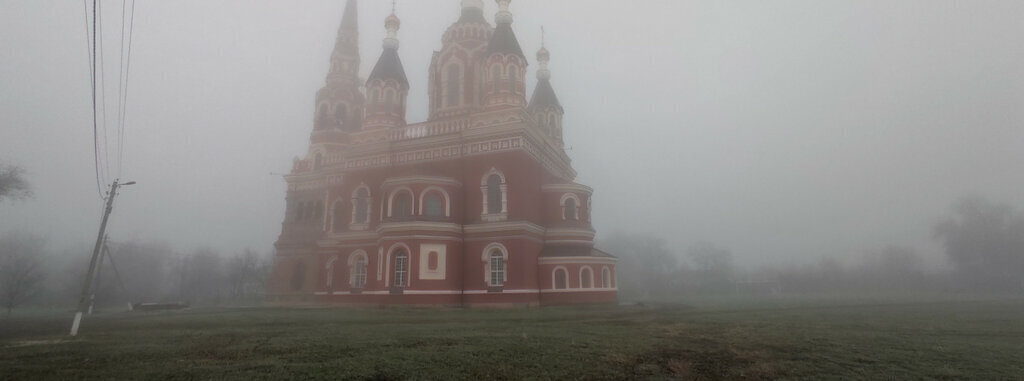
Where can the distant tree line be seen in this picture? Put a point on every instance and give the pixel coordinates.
(134, 272)
(983, 243)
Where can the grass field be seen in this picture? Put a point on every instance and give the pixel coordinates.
(711, 338)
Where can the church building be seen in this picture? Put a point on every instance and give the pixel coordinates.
(476, 206)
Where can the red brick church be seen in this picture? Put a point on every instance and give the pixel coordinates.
(475, 206)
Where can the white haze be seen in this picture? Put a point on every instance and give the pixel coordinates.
(784, 130)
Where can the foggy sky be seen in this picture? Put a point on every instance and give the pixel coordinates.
(783, 130)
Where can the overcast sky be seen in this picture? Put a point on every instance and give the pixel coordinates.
(783, 130)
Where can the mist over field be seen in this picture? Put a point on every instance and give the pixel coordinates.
(783, 131)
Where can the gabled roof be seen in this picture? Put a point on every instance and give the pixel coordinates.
(504, 41)
(544, 96)
(389, 66)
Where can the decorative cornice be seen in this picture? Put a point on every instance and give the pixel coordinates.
(572, 187)
(400, 227)
(430, 180)
(505, 226)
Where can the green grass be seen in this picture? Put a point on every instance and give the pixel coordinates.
(707, 338)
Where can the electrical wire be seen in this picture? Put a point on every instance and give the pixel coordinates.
(124, 97)
(92, 77)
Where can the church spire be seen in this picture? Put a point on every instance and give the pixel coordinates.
(387, 87)
(544, 105)
(345, 58)
(339, 104)
(505, 64)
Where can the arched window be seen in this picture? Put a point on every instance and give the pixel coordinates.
(497, 268)
(296, 211)
(361, 206)
(570, 209)
(329, 272)
(318, 210)
(318, 160)
(340, 113)
(298, 276)
(401, 204)
(300, 211)
(389, 96)
(586, 277)
(453, 86)
(433, 205)
(321, 116)
(512, 74)
(606, 278)
(336, 215)
(401, 268)
(561, 279)
(374, 95)
(357, 270)
(494, 194)
(496, 76)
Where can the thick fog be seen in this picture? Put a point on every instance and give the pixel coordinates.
(781, 130)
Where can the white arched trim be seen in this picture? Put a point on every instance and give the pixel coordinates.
(486, 258)
(361, 225)
(389, 271)
(395, 192)
(444, 194)
(566, 196)
(589, 276)
(352, 259)
(447, 82)
(554, 277)
(329, 266)
(606, 278)
(500, 216)
(335, 217)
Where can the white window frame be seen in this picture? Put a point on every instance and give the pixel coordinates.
(484, 214)
(361, 225)
(590, 271)
(444, 196)
(574, 197)
(606, 277)
(485, 257)
(354, 275)
(396, 192)
(329, 267)
(554, 278)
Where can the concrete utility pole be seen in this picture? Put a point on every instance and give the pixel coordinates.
(83, 301)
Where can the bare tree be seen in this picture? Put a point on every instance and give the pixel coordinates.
(985, 241)
(20, 274)
(247, 274)
(12, 183)
(712, 266)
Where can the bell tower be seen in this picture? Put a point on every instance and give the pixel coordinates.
(339, 104)
(387, 87)
(504, 64)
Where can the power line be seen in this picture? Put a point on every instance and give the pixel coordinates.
(120, 93)
(92, 77)
(124, 97)
(103, 94)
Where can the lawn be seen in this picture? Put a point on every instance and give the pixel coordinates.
(707, 338)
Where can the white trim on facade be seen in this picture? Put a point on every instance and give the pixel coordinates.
(421, 179)
(444, 195)
(576, 260)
